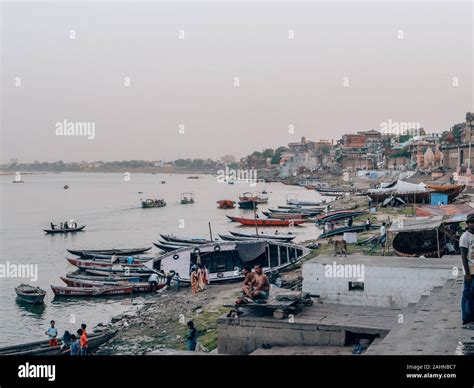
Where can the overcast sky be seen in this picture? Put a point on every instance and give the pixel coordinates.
(399, 59)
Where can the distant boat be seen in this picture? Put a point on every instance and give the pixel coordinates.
(163, 182)
(193, 177)
(226, 204)
(19, 181)
(30, 294)
(65, 231)
(248, 204)
(66, 187)
(187, 198)
(151, 203)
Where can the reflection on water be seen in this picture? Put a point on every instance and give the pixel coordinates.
(31, 310)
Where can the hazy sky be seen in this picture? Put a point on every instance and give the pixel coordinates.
(190, 81)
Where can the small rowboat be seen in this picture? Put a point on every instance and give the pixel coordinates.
(30, 294)
(346, 229)
(91, 291)
(185, 240)
(122, 259)
(168, 247)
(303, 203)
(137, 286)
(65, 231)
(42, 348)
(116, 252)
(267, 222)
(86, 264)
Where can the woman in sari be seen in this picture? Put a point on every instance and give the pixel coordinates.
(195, 281)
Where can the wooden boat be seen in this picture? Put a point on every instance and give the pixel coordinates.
(65, 231)
(419, 243)
(226, 204)
(152, 203)
(286, 216)
(339, 215)
(345, 229)
(123, 259)
(232, 218)
(333, 192)
(225, 260)
(249, 205)
(143, 273)
(185, 240)
(18, 181)
(192, 177)
(30, 294)
(136, 286)
(187, 198)
(107, 278)
(168, 247)
(310, 213)
(92, 291)
(227, 237)
(42, 348)
(301, 208)
(92, 264)
(116, 252)
(303, 203)
(267, 222)
(279, 237)
(257, 197)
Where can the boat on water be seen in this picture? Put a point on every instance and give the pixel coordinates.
(169, 246)
(152, 203)
(187, 198)
(193, 177)
(346, 229)
(226, 204)
(275, 236)
(136, 272)
(136, 286)
(92, 291)
(86, 264)
(186, 240)
(255, 197)
(225, 260)
(333, 191)
(106, 278)
(301, 208)
(310, 213)
(286, 216)
(65, 230)
(30, 294)
(111, 252)
(304, 203)
(268, 221)
(122, 259)
(248, 204)
(42, 348)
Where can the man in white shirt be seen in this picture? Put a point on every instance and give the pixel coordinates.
(153, 280)
(383, 234)
(466, 243)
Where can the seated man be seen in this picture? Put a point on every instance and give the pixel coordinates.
(260, 284)
(249, 276)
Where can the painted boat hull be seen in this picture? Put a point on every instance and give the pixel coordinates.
(91, 291)
(267, 222)
(91, 264)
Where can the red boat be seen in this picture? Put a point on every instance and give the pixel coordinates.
(137, 287)
(91, 291)
(226, 204)
(267, 222)
(91, 264)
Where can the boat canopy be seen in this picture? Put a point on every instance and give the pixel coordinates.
(401, 187)
(250, 251)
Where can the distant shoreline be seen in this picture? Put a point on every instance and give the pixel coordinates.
(152, 170)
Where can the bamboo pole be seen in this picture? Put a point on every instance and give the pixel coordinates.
(210, 231)
(437, 241)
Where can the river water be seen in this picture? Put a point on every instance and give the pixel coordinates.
(109, 204)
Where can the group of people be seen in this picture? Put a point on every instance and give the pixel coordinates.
(77, 344)
(65, 225)
(256, 284)
(199, 278)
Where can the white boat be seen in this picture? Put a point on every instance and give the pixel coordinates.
(225, 260)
